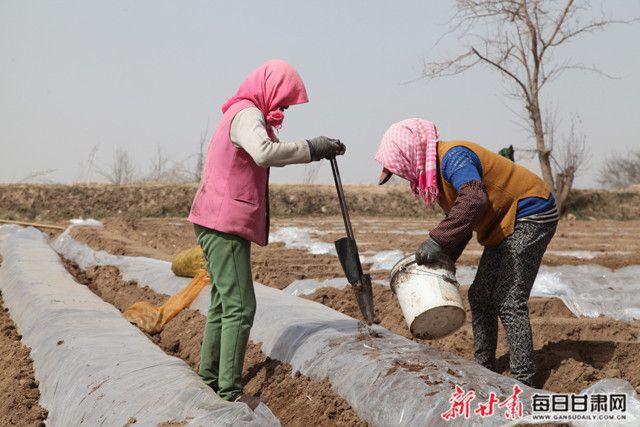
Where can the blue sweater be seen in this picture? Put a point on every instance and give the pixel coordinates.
(461, 165)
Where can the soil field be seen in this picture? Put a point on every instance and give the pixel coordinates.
(19, 392)
(294, 398)
(609, 243)
(56, 202)
(571, 353)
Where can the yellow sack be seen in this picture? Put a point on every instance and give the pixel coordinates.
(188, 262)
(152, 319)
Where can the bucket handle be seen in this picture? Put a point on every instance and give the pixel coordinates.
(424, 273)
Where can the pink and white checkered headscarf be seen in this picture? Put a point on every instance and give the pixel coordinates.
(408, 149)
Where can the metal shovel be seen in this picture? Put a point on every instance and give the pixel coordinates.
(349, 257)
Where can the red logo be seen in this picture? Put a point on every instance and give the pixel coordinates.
(513, 404)
(461, 405)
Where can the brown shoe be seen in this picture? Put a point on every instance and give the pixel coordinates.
(251, 401)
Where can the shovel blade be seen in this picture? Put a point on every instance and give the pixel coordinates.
(364, 297)
(349, 259)
(360, 283)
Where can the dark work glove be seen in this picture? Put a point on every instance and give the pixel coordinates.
(429, 252)
(322, 147)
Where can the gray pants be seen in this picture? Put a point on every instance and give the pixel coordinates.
(501, 288)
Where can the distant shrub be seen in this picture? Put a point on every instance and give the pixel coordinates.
(621, 171)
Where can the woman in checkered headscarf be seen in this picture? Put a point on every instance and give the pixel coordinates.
(510, 209)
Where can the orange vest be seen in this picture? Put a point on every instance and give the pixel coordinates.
(506, 183)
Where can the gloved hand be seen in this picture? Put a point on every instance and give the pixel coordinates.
(429, 252)
(322, 147)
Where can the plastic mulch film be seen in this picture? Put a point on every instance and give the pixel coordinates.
(308, 286)
(93, 367)
(89, 222)
(383, 260)
(387, 379)
(590, 290)
(587, 290)
(301, 238)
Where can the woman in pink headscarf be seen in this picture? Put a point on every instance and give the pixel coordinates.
(231, 209)
(510, 209)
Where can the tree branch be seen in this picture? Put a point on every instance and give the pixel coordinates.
(594, 26)
(448, 68)
(561, 20)
(505, 71)
(555, 72)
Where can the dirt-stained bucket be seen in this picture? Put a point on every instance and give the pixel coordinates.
(429, 297)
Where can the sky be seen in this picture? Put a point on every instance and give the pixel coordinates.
(149, 75)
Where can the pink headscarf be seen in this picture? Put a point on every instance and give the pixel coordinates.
(408, 149)
(275, 83)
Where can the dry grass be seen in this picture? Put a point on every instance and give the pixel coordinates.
(56, 202)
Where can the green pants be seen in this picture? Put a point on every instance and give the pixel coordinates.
(233, 305)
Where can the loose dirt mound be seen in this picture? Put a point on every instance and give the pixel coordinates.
(19, 392)
(295, 399)
(61, 202)
(571, 353)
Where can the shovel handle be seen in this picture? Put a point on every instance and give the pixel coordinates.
(341, 198)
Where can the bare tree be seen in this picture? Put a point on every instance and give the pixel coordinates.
(518, 39)
(160, 170)
(121, 170)
(37, 176)
(311, 171)
(568, 157)
(620, 171)
(200, 155)
(87, 168)
(187, 170)
(163, 169)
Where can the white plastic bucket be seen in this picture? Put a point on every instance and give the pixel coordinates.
(429, 297)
